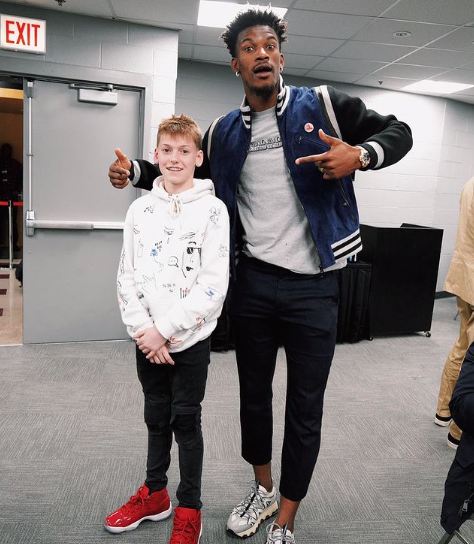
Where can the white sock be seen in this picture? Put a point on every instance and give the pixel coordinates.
(266, 493)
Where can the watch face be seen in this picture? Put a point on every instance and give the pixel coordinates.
(364, 157)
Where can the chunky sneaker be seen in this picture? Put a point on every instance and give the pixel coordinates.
(279, 535)
(442, 421)
(452, 442)
(139, 507)
(187, 526)
(258, 505)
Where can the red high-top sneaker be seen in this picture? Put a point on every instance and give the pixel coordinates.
(139, 507)
(187, 526)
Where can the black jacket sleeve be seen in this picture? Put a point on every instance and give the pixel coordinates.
(149, 172)
(359, 125)
(462, 400)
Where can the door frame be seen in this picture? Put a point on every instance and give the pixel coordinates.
(89, 77)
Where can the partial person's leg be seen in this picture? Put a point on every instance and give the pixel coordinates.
(155, 382)
(188, 383)
(454, 431)
(151, 501)
(453, 363)
(257, 338)
(309, 336)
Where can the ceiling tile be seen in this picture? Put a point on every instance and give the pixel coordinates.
(211, 54)
(324, 25)
(460, 40)
(381, 52)
(208, 36)
(333, 76)
(381, 31)
(438, 57)
(392, 83)
(302, 61)
(372, 8)
(458, 12)
(295, 71)
(409, 71)
(305, 45)
(350, 66)
(274, 3)
(97, 8)
(169, 11)
(466, 92)
(457, 76)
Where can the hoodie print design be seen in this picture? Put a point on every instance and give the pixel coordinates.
(173, 272)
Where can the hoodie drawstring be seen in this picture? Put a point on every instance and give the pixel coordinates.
(175, 205)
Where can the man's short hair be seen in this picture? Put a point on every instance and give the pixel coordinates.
(253, 17)
(180, 125)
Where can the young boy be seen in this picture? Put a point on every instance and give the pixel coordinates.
(171, 283)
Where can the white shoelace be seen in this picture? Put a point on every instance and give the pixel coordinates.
(253, 504)
(279, 535)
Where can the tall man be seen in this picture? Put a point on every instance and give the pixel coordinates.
(283, 164)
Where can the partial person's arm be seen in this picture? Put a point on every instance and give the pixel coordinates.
(206, 298)
(462, 401)
(135, 316)
(142, 173)
(386, 139)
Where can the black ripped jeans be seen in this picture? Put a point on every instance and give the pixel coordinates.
(173, 396)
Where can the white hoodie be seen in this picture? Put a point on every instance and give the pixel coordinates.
(174, 267)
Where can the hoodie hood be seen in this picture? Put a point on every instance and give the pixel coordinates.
(202, 187)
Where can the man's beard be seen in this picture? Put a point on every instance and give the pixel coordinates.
(264, 92)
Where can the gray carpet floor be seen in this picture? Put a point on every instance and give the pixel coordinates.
(72, 444)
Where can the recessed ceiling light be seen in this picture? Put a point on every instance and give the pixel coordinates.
(402, 34)
(220, 14)
(437, 87)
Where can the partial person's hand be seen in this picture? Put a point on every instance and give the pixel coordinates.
(161, 357)
(150, 341)
(119, 170)
(341, 160)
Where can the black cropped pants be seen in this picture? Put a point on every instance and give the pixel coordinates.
(272, 307)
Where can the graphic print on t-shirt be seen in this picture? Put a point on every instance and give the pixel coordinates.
(262, 144)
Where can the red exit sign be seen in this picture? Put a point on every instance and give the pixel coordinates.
(21, 34)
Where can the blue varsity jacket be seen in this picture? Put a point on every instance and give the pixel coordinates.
(330, 205)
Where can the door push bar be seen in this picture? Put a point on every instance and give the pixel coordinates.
(31, 224)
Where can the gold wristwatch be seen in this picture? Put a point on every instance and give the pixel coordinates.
(364, 156)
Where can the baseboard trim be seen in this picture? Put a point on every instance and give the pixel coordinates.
(443, 294)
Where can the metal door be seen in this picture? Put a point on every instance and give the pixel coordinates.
(74, 217)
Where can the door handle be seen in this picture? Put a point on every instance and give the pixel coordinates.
(31, 224)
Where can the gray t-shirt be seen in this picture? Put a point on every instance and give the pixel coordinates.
(276, 229)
